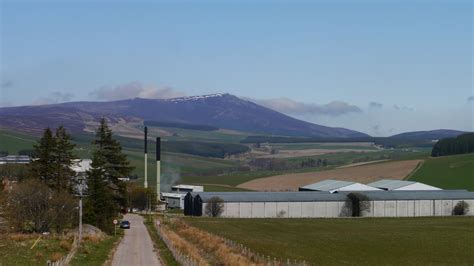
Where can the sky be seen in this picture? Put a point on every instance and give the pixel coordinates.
(380, 67)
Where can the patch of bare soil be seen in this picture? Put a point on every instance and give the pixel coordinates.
(363, 174)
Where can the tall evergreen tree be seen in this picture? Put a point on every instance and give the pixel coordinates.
(43, 164)
(63, 159)
(116, 164)
(99, 208)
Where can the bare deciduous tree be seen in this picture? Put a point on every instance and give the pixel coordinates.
(214, 207)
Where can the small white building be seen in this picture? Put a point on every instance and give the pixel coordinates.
(187, 188)
(390, 184)
(333, 186)
(15, 159)
(81, 166)
(174, 200)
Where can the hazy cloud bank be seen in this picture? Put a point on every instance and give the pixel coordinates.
(375, 105)
(133, 90)
(470, 98)
(55, 97)
(288, 106)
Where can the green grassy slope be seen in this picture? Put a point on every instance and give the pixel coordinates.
(13, 142)
(448, 172)
(377, 241)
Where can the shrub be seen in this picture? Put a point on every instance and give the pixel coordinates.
(360, 203)
(55, 256)
(461, 208)
(214, 207)
(66, 245)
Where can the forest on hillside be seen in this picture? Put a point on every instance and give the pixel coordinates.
(450, 146)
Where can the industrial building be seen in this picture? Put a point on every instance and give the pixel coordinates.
(390, 184)
(306, 204)
(173, 200)
(333, 186)
(187, 188)
(268, 204)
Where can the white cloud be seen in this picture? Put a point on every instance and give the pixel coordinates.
(54, 97)
(135, 89)
(292, 107)
(375, 105)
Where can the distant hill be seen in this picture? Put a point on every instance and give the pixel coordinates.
(429, 135)
(217, 110)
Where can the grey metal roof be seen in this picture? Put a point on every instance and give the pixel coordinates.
(310, 196)
(390, 184)
(271, 196)
(417, 195)
(328, 185)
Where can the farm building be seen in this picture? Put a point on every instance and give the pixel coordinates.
(332, 186)
(308, 204)
(415, 203)
(174, 200)
(187, 188)
(389, 184)
(15, 159)
(268, 204)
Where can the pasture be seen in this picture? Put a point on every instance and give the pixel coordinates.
(365, 241)
(447, 172)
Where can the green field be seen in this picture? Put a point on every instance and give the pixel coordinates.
(222, 136)
(14, 142)
(367, 241)
(448, 172)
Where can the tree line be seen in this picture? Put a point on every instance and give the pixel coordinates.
(45, 199)
(450, 146)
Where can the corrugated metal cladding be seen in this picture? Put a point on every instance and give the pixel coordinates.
(325, 204)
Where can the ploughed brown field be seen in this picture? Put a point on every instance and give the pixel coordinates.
(362, 174)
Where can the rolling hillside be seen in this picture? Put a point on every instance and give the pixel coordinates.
(448, 172)
(429, 135)
(219, 110)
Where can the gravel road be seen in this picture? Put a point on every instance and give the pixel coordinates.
(136, 247)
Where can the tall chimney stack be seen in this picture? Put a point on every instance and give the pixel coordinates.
(158, 166)
(146, 157)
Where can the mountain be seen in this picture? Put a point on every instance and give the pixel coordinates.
(429, 135)
(217, 110)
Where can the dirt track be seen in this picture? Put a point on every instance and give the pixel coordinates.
(363, 174)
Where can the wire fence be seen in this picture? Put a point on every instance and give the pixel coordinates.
(255, 257)
(66, 260)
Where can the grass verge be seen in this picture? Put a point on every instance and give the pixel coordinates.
(371, 241)
(163, 251)
(96, 251)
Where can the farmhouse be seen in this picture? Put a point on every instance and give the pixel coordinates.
(333, 186)
(389, 184)
(324, 204)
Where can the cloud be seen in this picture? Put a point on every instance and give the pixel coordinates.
(288, 106)
(135, 89)
(375, 105)
(470, 98)
(54, 97)
(403, 108)
(6, 84)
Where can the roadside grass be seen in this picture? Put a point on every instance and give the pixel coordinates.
(447, 172)
(364, 241)
(15, 249)
(159, 245)
(95, 251)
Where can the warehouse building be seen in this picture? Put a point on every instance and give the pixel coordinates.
(324, 204)
(415, 203)
(269, 204)
(390, 184)
(187, 188)
(173, 200)
(333, 186)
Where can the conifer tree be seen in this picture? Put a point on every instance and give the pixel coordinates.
(99, 208)
(42, 166)
(116, 164)
(63, 160)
